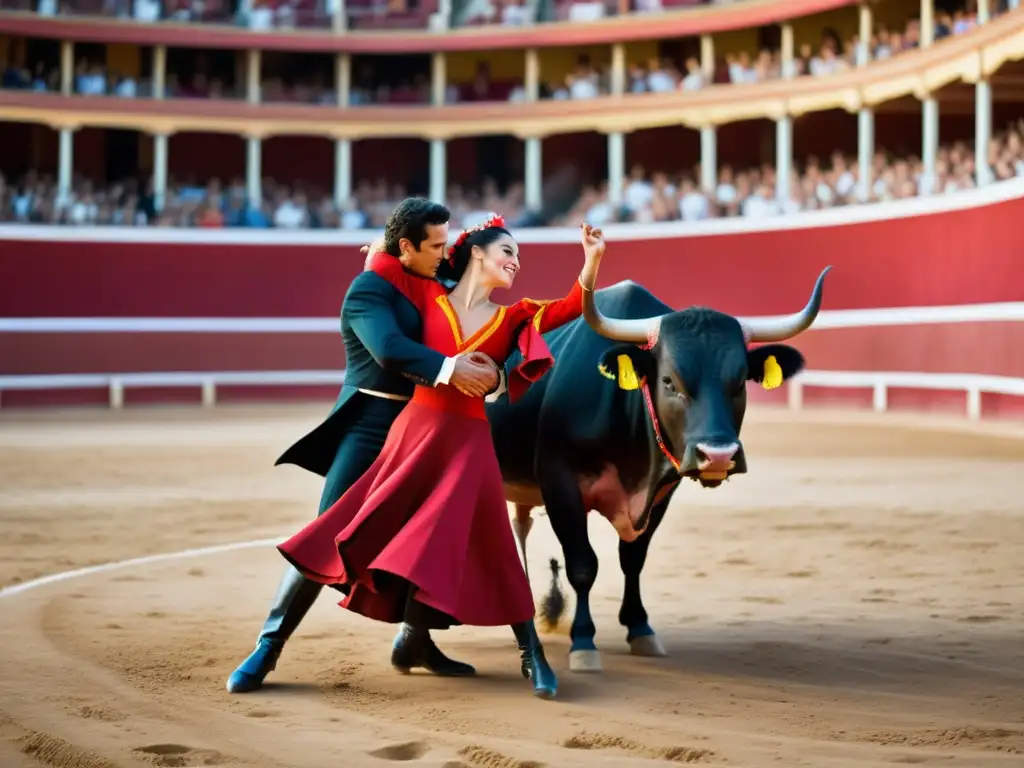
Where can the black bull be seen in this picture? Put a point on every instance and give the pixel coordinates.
(577, 441)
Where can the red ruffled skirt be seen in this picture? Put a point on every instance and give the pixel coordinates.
(430, 511)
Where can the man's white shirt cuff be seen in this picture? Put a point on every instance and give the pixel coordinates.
(445, 374)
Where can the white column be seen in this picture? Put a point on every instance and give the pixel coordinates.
(783, 156)
(67, 68)
(438, 149)
(618, 69)
(707, 58)
(784, 125)
(708, 134)
(65, 164)
(534, 170)
(982, 116)
(866, 115)
(616, 167)
(254, 144)
(927, 23)
(342, 171)
(253, 77)
(982, 131)
(929, 106)
(160, 147)
(531, 80)
(253, 170)
(708, 159)
(160, 72)
(343, 79)
(534, 181)
(438, 169)
(865, 151)
(438, 79)
(339, 19)
(342, 147)
(617, 141)
(864, 33)
(929, 136)
(787, 52)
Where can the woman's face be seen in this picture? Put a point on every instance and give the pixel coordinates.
(499, 262)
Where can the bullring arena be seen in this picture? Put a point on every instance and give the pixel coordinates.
(855, 599)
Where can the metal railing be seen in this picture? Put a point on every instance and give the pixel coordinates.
(880, 382)
(207, 382)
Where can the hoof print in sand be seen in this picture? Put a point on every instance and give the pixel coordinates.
(178, 755)
(260, 713)
(100, 713)
(54, 751)
(675, 754)
(410, 750)
(488, 758)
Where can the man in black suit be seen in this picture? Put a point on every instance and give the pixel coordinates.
(383, 364)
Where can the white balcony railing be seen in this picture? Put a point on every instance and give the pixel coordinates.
(973, 385)
(880, 382)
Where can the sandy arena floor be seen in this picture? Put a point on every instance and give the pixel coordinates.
(857, 599)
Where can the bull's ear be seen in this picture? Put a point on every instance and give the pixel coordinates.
(626, 364)
(772, 364)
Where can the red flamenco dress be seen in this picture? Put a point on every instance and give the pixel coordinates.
(428, 521)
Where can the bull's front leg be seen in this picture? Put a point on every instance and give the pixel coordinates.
(568, 519)
(632, 615)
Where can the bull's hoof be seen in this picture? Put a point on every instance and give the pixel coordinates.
(647, 645)
(585, 661)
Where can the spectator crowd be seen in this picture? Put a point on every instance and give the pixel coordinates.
(589, 79)
(655, 197)
(380, 14)
(658, 196)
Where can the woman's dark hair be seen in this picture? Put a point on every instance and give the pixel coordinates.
(454, 267)
(410, 221)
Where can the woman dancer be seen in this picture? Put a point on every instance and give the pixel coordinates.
(424, 536)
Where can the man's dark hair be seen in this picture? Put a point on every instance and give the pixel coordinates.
(410, 220)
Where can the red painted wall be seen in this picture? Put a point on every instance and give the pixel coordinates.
(962, 257)
(959, 257)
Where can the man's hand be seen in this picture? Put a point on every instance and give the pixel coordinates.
(475, 374)
(485, 359)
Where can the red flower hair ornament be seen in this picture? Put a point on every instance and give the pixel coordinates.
(494, 220)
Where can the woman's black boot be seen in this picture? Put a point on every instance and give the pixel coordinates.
(534, 664)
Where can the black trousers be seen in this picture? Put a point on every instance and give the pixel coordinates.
(365, 434)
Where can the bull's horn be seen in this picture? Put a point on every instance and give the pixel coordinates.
(781, 328)
(636, 331)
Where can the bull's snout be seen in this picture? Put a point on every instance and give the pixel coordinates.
(715, 458)
(711, 462)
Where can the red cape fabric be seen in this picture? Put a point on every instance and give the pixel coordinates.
(537, 360)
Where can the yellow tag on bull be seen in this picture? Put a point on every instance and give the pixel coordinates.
(627, 374)
(772, 373)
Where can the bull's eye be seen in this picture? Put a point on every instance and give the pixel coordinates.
(670, 387)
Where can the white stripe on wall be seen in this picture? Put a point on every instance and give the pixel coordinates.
(840, 318)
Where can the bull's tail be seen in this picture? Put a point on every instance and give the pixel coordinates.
(553, 607)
